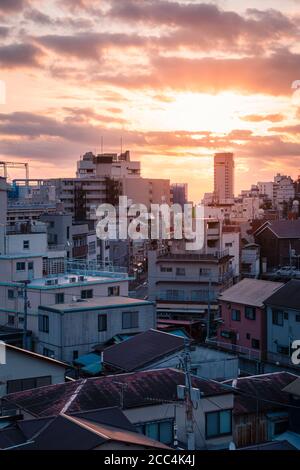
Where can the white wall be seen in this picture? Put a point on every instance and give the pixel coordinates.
(78, 331)
(21, 366)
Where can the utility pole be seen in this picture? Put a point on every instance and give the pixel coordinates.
(190, 396)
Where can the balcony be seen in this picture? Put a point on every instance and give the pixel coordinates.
(201, 278)
(201, 297)
(247, 353)
(193, 257)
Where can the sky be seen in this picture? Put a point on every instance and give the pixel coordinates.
(176, 80)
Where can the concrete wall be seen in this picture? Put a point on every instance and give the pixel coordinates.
(21, 366)
(78, 331)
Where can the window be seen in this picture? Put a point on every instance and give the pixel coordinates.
(204, 271)
(87, 294)
(228, 245)
(75, 355)
(255, 343)
(161, 431)
(298, 318)
(60, 298)
(102, 322)
(180, 271)
(26, 384)
(113, 291)
(248, 336)
(286, 315)
(30, 265)
(130, 320)
(285, 350)
(235, 315)
(218, 423)
(11, 320)
(48, 352)
(25, 244)
(44, 323)
(250, 313)
(165, 269)
(68, 233)
(20, 294)
(11, 294)
(20, 266)
(277, 317)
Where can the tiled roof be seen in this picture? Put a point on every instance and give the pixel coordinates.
(282, 228)
(80, 431)
(140, 389)
(268, 388)
(151, 345)
(287, 296)
(250, 292)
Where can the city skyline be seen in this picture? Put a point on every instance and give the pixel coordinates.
(176, 81)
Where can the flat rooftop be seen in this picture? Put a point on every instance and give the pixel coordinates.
(96, 304)
(69, 280)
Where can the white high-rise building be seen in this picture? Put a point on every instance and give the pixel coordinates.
(223, 176)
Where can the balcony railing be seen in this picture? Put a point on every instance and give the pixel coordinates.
(247, 353)
(217, 255)
(94, 268)
(187, 297)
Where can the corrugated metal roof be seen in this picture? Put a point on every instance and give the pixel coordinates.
(250, 292)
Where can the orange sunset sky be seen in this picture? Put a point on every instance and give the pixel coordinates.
(177, 80)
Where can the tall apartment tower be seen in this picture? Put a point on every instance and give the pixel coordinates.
(223, 176)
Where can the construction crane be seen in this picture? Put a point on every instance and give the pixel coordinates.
(6, 165)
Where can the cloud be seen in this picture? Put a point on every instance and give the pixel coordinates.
(8, 6)
(20, 55)
(263, 117)
(87, 46)
(207, 21)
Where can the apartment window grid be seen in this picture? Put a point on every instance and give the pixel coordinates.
(19, 385)
(102, 322)
(130, 320)
(218, 423)
(250, 313)
(44, 323)
(235, 315)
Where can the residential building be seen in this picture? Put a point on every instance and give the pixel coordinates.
(179, 194)
(284, 192)
(149, 399)
(158, 350)
(105, 430)
(223, 176)
(24, 370)
(260, 410)
(283, 315)
(279, 242)
(68, 330)
(250, 260)
(244, 320)
(3, 212)
(77, 280)
(186, 284)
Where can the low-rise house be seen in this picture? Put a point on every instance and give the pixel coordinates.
(283, 313)
(277, 240)
(106, 429)
(292, 434)
(157, 350)
(149, 399)
(69, 330)
(260, 407)
(25, 370)
(244, 320)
